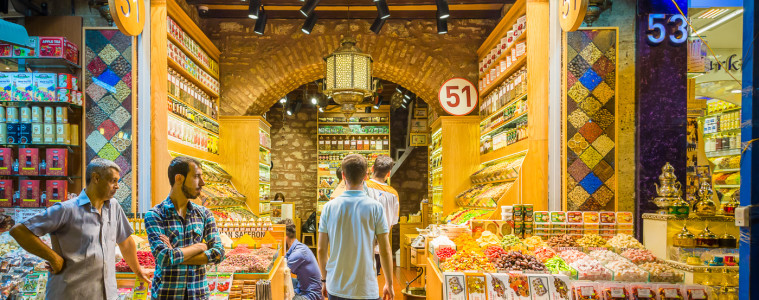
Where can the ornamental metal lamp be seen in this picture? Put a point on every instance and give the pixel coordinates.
(349, 76)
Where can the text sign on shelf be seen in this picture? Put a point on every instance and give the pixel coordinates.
(129, 15)
(458, 96)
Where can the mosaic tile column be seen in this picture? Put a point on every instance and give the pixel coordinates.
(590, 120)
(110, 104)
(662, 106)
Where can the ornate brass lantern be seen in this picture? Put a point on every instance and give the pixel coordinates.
(349, 76)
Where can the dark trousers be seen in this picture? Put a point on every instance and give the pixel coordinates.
(341, 298)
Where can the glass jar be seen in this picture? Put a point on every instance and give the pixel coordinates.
(707, 239)
(684, 239)
(728, 241)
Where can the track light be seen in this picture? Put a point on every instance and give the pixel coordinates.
(261, 23)
(313, 100)
(407, 96)
(377, 25)
(254, 7)
(379, 103)
(283, 100)
(289, 112)
(442, 26)
(442, 9)
(383, 11)
(309, 24)
(403, 105)
(309, 7)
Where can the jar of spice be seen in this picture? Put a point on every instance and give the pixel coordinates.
(707, 239)
(684, 239)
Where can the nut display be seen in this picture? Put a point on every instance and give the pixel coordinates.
(591, 240)
(516, 261)
(639, 256)
(627, 271)
(561, 241)
(662, 273)
(624, 241)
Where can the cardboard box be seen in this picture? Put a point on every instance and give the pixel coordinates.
(37, 135)
(45, 85)
(6, 193)
(6, 86)
(24, 133)
(6, 161)
(31, 52)
(68, 81)
(6, 50)
(71, 52)
(51, 46)
(30, 193)
(48, 133)
(12, 134)
(62, 133)
(64, 95)
(56, 191)
(29, 161)
(57, 161)
(574, 217)
(607, 217)
(23, 86)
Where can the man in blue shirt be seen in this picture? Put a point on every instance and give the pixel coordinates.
(348, 228)
(302, 263)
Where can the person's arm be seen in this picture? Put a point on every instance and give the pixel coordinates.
(386, 260)
(32, 244)
(129, 251)
(166, 255)
(322, 250)
(215, 252)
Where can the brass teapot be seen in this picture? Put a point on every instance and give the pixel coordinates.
(670, 187)
(704, 205)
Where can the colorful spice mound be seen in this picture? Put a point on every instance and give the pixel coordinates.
(544, 253)
(465, 260)
(591, 240)
(145, 258)
(624, 241)
(509, 240)
(639, 256)
(561, 241)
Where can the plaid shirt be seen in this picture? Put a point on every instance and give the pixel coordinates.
(172, 279)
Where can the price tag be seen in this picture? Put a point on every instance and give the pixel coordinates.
(671, 293)
(644, 293)
(617, 293)
(587, 291)
(458, 96)
(697, 294)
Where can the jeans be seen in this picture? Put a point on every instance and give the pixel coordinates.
(341, 298)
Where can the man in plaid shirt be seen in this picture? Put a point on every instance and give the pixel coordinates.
(176, 230)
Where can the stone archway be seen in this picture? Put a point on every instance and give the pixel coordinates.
(259, 70)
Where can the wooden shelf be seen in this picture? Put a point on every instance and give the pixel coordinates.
(174, 65)
(511, 120)
(505, 151)
(727, 186)
(44, 63)
(355, 151)
(354, 123)
(722, 153)
(352, 134)
(504, 54)
(178, 147)
(180, 118)
(727, 170)
(735, 130)
(40, 103)
(488, 117)
(175, 98)
(192, 56)
(521, 62)
(188, 25)
(496, 181)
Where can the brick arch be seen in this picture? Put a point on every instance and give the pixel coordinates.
(260, 70)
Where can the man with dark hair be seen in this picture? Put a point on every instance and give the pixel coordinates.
(183, 236)
(379, 190)
(302, 263)
(349, 226)
(84, 233)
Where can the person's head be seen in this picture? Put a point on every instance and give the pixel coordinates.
(289, 231)
(102, 178)
(339, 174)
(185, 176)
(354, 169)
(382, 166)
(279, 197)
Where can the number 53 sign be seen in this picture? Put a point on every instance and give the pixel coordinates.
(458, 96)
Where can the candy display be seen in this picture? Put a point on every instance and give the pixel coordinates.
(662, 273)
(519, 284)
(639, 256)
(465, 242)
(444, 253)
(572, 255)
(475, 284)
(245, 260)
(590, 269)
(615, 292)
(605, 256)
(145, 258)
(467, 260)
(534, 242)
(488, 239)
(501, 171)
(561, 241)
(591, 240)
(464, 215)
(544, 253)
(670, 293)
(586, 292)
(509, 240)
(556, 265)
(624, 241)
(627, 271)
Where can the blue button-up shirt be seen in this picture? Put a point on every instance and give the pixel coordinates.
(87, 242)
(172, 279)
(302, 263)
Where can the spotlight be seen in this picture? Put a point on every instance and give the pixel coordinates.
(321, 109)
(309, 24)
(407, 96)
(254, 7)
(377, 25)
(382, 10)
(398, 89)
(289, 112)
(379, 103)
(283, 100)
(261, 23)
(309, 7)
(403, 105)
(442, 9)
(313, 100)
(442, 26)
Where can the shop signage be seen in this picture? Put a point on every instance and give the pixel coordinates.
(458, 96)
(572, 13)
(733, 63)
(129, 15)
(660, 28)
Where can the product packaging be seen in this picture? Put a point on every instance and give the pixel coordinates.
(23, 86)
(669, 292)
(6, 86)
(48, 133)
(25, 115)
(11, 115)
(475, 287)
(3, 132)
(79, 98)
(560, 287)
(64, 95)
(586, 291)
(62, 134)
(71, 52)
(57, 161)
(24, 133)
(29, 160)
(540, 286)
(454, 286)
(30, 193)
(6, 50)
(74, 135)
(6, 193)
(11, 133)
(615, 291)
(6, 161)
(643, 292)
(37, 135)
(45, 85)
(51, 46)
(30, 51)
(68, 81)
(61, 115)
(697, 292)
(57, 191)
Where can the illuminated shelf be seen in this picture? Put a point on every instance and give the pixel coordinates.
(175, 98)
(518, 64)
(519, 146)
(352, 134)
(186, 75)
(503, 108)
(511, 121)
(504, 54)
(727, 186)
(727, 170)
(731, 152)
(182, 119)
(192, 56)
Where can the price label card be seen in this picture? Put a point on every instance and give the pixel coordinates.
(644, 293)
(587, 291)
(697, 294)
(458, 96)
(617, 292)
(671, 293)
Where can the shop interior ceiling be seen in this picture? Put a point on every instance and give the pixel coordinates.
(305, 92)
(725, 38)
(356, 9)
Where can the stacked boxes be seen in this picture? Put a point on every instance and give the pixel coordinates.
(574, 223)
(577, 223)
(523, 220)
(607, 224)
(43, 47)
(591, 221)
(40, 87)
(624, 222)
(558, 222)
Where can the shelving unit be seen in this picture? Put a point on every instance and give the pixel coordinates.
(251, 173)
(366, 133)
(720, 131)
(520, 122)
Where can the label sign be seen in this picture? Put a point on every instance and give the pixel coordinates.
(458, 96)
(129, 15)
(572, 13)
(658, 29)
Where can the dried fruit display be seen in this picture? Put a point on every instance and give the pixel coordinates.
(145, 258)
(591, 240)
(516, 261)
(624, 241)
(475, 284)
(563, 240)
(544, 253)
(509, 240)
(488, 239)
(556, 265)
(465, 215)
(518, 283)
(467, 260)
(662, 273)
(445, 253)
(534, 242)
(639, 256)
(501, 171)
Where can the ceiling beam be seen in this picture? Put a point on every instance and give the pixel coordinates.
(458, 11)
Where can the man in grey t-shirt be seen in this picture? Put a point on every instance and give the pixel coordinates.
(84, 233)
